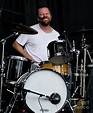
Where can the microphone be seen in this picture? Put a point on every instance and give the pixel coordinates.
(73, 48)
(54, 98)
(40, 19)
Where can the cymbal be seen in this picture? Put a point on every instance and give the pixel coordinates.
(23, 29)
(61, 59)
(82, 31)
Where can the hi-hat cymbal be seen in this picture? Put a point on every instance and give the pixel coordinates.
(23, 29)
(82, 31)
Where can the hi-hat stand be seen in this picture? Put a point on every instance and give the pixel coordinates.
(2, 73)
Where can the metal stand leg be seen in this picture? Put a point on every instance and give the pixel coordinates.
(76, 73)
(70, 106)
(11, 104)
(83, 73)
(2, 74)
(9, 108)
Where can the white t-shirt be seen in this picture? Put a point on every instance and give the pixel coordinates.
(36, 44)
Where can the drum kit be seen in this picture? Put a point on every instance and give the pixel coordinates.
(44, 89)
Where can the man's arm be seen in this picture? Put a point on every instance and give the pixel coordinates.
(20, 49)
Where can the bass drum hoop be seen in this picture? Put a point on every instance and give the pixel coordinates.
(46, 82)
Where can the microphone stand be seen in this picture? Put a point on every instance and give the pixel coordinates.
(2, 74)
(68, 53)
(29, 91)
(64, 33)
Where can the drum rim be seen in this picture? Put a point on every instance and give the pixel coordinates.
(57, 41)
(18, 57)
(47, 69)
(62, 76)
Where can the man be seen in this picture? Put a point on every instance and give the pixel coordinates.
(34, 47)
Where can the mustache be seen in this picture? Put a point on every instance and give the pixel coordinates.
(42, 18)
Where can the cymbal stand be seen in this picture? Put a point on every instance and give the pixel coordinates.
(76, 73)
(81, 77)
(2, 74)
(77, 53)
(83, 73)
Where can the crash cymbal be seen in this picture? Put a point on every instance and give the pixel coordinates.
(23, 29)
(82, 31)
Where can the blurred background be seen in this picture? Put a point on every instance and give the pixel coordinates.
(68, 15)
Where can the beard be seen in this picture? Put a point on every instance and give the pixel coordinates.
(45, 23)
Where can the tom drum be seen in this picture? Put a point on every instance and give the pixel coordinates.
(59, 52)
(16, 66)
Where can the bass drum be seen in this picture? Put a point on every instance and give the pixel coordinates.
(45, 82)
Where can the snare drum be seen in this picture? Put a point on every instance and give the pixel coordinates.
(63, 69)
(44, 82)
(16, 66)
(59, 52)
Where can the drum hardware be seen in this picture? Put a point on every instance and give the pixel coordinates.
(17, 92)
(75, 91)
(22, 79)
(2, 74)
(84, 47)
(67, 42)
(70, 106)
(72, 49)
(82, 81)
(9, 108)
(76, 74)
(83, 73)
(76, 71)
